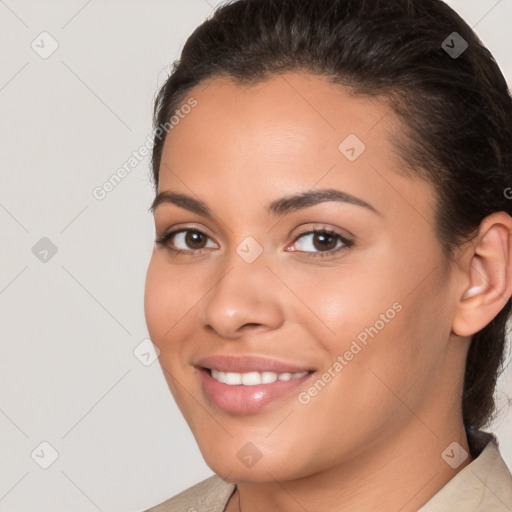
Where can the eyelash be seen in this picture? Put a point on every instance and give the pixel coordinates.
(164, 239)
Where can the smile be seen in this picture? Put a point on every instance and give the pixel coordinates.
(253, 378)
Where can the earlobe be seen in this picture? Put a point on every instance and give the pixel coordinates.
(489, 274)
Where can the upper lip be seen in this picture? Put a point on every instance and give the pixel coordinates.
(246, 363)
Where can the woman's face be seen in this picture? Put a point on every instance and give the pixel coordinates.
(365, 308)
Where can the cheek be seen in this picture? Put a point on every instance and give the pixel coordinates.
(384, 316)
(337, 304)
(391, 341)
(166, 301)
(164, 298)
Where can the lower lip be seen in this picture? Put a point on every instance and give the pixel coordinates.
(240, 399)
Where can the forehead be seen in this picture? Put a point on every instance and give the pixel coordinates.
(287, 111)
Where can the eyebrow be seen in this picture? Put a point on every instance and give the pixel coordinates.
(277, 207)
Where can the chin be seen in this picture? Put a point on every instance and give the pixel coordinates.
(265, 470)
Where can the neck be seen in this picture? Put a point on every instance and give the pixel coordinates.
(398, 472)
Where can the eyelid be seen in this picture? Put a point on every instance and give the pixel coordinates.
(175, 229)
(319, 226)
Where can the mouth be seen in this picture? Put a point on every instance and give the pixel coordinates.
(246, 385)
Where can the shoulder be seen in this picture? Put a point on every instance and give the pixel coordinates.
(210, 495)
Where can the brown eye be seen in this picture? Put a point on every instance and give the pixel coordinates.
(324, 242)
(195, 239)
(185, 240)
(321, 242)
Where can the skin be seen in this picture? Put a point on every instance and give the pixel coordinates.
(372, 438)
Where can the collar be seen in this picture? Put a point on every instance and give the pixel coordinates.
(484, 484)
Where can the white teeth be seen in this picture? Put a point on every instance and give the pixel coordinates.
(232, 378)
(268, 377)
(253, 378)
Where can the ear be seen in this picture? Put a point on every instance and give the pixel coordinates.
(487, 283)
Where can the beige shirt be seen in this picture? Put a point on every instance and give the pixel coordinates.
(484, 485)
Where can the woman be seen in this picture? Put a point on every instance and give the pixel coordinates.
(333, 272)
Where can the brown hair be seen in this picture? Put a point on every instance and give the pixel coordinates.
(456, 109)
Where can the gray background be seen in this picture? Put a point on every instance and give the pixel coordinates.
(70, 323)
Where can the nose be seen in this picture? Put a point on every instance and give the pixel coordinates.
(246, 296)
